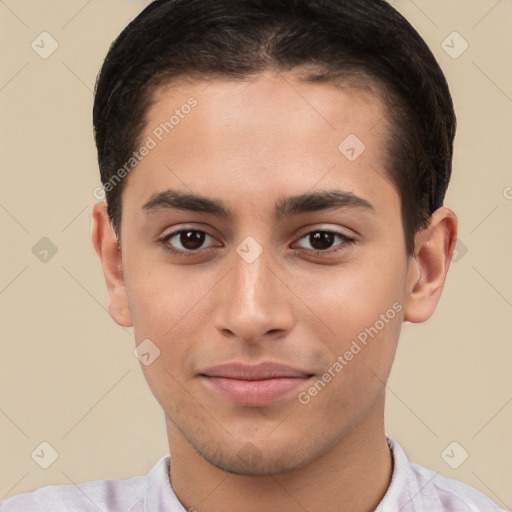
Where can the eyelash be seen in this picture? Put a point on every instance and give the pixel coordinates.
(346, 242)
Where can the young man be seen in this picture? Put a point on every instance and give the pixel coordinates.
(274, 173)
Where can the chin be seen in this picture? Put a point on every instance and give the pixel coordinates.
(259, 458)
(253, 463)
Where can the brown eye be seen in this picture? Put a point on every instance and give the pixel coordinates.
(191, 240)
(186, 241)
(322, 241)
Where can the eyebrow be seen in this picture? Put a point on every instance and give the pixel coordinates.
(292, 205)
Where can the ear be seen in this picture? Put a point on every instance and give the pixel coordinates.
(427, 271)
(106, 245)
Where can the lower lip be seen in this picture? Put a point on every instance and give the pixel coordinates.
(255, 393)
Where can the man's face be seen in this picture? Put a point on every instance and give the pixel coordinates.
(250, 145)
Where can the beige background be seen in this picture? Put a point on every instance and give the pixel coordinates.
(67, 372)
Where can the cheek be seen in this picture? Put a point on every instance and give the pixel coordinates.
(361, 356)
(362, 306)
(352, 297)
(171, 306)
(163, 297)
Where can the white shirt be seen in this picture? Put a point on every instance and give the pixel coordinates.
(413, 488)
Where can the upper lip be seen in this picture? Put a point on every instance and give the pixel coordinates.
(261, 371)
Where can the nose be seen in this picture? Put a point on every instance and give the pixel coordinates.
(253, 303)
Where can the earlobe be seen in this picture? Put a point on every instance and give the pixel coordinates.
(106, 246)
(434, 248)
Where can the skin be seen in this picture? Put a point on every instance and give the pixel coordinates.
(249, 144)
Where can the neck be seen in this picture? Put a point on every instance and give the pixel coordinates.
(353, 475)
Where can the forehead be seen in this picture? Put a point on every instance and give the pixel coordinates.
(262, 104)
(265, 135)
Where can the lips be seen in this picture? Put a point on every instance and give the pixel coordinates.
(254, 385)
